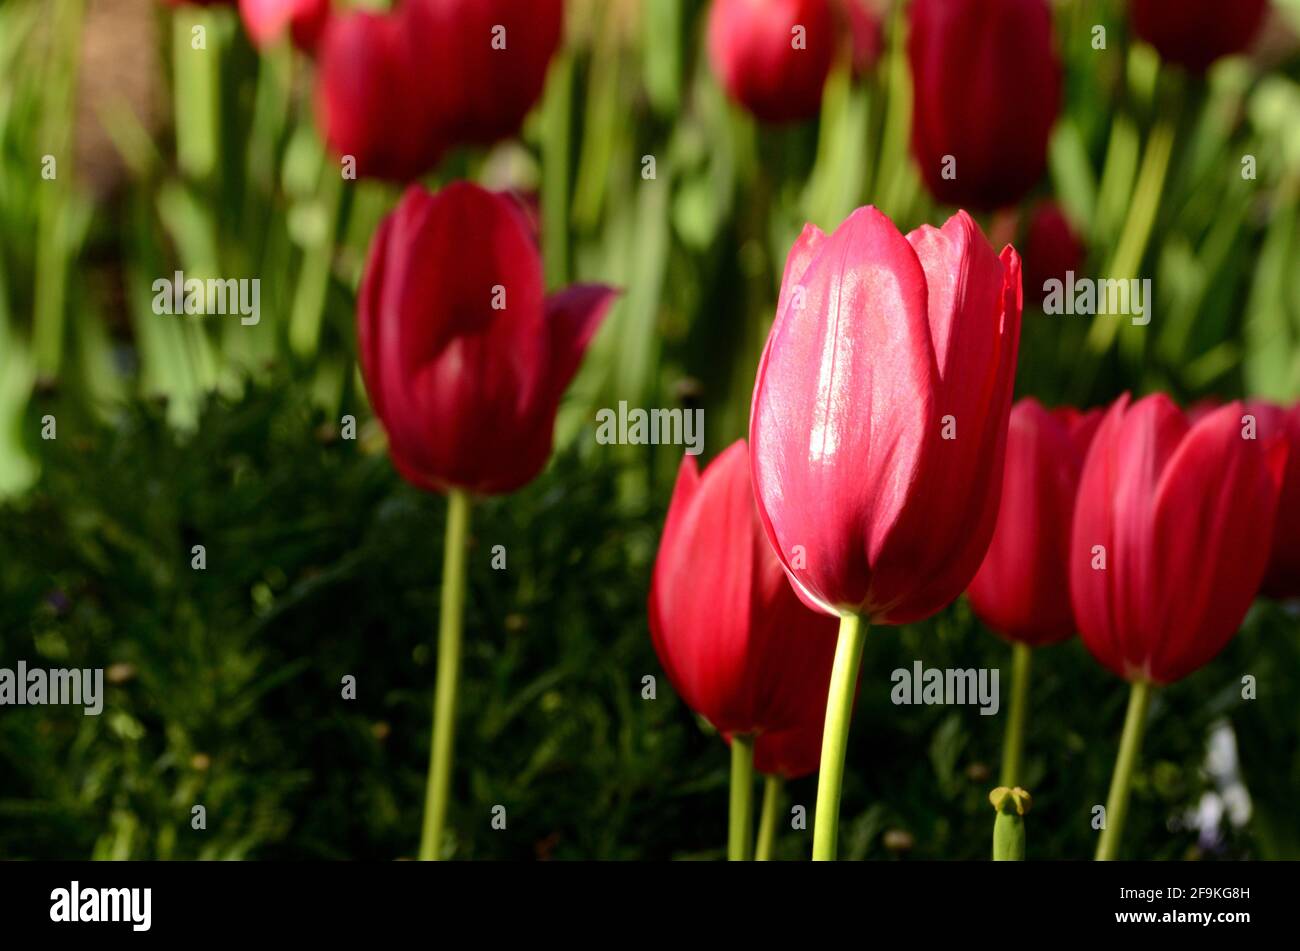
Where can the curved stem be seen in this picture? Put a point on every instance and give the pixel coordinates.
(444, 694)
(772, 789)
(835, 736)
(1129, 746)
(1014, 742)
(740, 822)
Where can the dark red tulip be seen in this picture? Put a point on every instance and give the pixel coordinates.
(1022, 589)
(464, 358)
(1194, 33)
(987, 86)
(880, 412)
(487, 59)
(368, 102)
(1052, 247)
(267, 20)
(1282, 578)
(773, 56)
(1183, 517)
(737, 644)
(397, 90)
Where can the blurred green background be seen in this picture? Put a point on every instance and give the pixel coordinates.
(224, 684)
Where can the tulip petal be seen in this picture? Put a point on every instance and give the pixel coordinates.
(974, 315)
(1022, 587)
(1214, 509)
(842, 406)
(573, 316)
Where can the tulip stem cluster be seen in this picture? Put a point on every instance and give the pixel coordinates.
(1130, 745)
(835, 736)
(741, 818)
(444, 695)
(773, 788)
(1014, 742)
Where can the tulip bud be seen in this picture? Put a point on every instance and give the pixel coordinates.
(367, 102)
(736, 643)
(464, 358)
(1194, 33)
(880, 413)
(772, 56)
(1171, 536)
(1009, 826)
(267, 20)
(1022, 589)
(487, 59)
(987, 90)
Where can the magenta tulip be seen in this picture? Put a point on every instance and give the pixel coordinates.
(878, 429)
(773, 56)
(1022, 589)
(1171, 535)
(987, 90)
(738, 645)
(1172, 526)
(486, 59)
(367, 102)
(880, 413)
(464, 358)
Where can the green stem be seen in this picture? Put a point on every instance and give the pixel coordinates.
(772, 788)
(1129, 746)
(835, 736)
(1008, 838)
(1014, 742)
(444, 696)
(741, 817)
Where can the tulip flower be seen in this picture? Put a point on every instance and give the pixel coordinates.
(1194, 33)
(1171, 534)
(367, 101)
(878, 429)
(987, 90)
(773, 56)
(1052, 248)
(465, 361)
(1022, 588)
(733, 637)
(1282, 577)
(486, 58)
(397, 90)
(268, 20)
